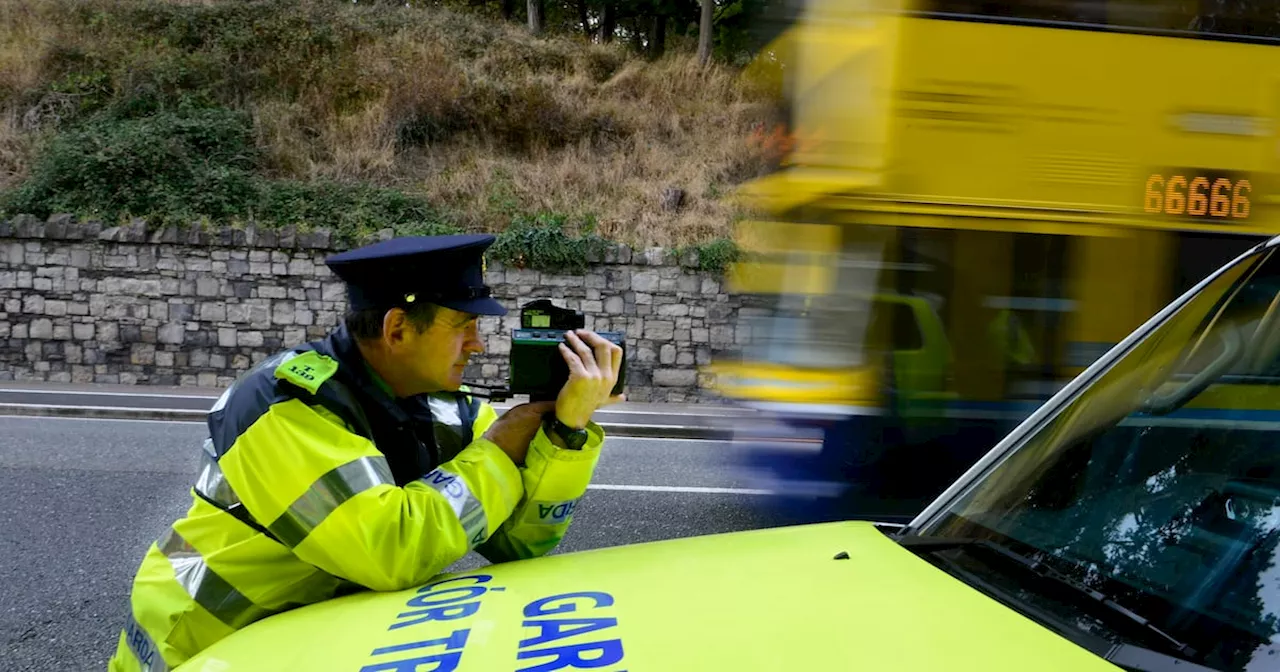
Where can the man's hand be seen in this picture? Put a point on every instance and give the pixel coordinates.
(592, 375)
(513, 431)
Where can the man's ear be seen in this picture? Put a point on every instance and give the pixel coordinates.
(394, 324)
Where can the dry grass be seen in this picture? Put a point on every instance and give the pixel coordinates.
(482, 118)
(15, 150)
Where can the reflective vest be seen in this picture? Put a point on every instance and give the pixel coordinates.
(316, 483)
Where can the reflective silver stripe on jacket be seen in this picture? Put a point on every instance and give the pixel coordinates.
(209, 590)
(211, 483)
(328, 493)
(452, 418)
(143, 648)
(465, 505)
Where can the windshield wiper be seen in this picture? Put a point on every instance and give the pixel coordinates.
(930, 544)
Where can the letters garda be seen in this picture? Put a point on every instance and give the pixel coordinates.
(565, 631)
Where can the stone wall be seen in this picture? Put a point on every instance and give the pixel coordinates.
(79, 303)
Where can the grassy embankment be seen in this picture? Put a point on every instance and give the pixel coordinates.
(322, 114)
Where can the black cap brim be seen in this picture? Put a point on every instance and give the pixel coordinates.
(483, 306)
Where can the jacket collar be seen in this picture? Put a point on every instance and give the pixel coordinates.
(355, 372)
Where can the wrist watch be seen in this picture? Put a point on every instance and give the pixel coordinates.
(575, 439)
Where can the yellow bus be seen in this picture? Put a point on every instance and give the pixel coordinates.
(1038, 177)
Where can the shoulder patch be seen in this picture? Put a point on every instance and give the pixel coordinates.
(308, 370)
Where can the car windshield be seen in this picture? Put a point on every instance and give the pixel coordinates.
(1158, 484)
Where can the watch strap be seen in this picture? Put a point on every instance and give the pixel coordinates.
(574, 439)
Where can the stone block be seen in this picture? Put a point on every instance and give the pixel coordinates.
(700, 335)
(673, 309)
(180, 312)
(667, 354)
(227, 338)
(42, 284)
(78, 308)
(334, 291)
(689, 283)
(172, 333)
(303, 317)
(675, 377)
(659, 330)
(645, 281)
(108, 332)
(42, 328)
(142, 354)
(249, 339)
(206, 287)
(218, 360)
(82, 332)
(237, 313)
(272, 292)
(164, 359)
(523, 276)
(13, 254)
(282, 313)
(259, 316)
(207, 379)
(33, 304)
(500, 345)
(213, 312)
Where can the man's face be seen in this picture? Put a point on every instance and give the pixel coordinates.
(435, 357)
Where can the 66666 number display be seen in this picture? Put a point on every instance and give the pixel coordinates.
(1197, 196)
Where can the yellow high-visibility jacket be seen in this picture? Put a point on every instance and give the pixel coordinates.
(316, 483)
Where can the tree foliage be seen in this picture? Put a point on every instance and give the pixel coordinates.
(739, 27)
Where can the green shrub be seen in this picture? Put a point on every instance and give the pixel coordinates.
(541, 243)
(169, 166)
(350, 211)
(715, 256)
(200, 165)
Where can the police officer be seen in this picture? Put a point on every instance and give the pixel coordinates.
(361, 462)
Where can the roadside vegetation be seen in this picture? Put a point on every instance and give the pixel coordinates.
(358, 118)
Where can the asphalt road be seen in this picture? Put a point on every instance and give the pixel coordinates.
(81, 499)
